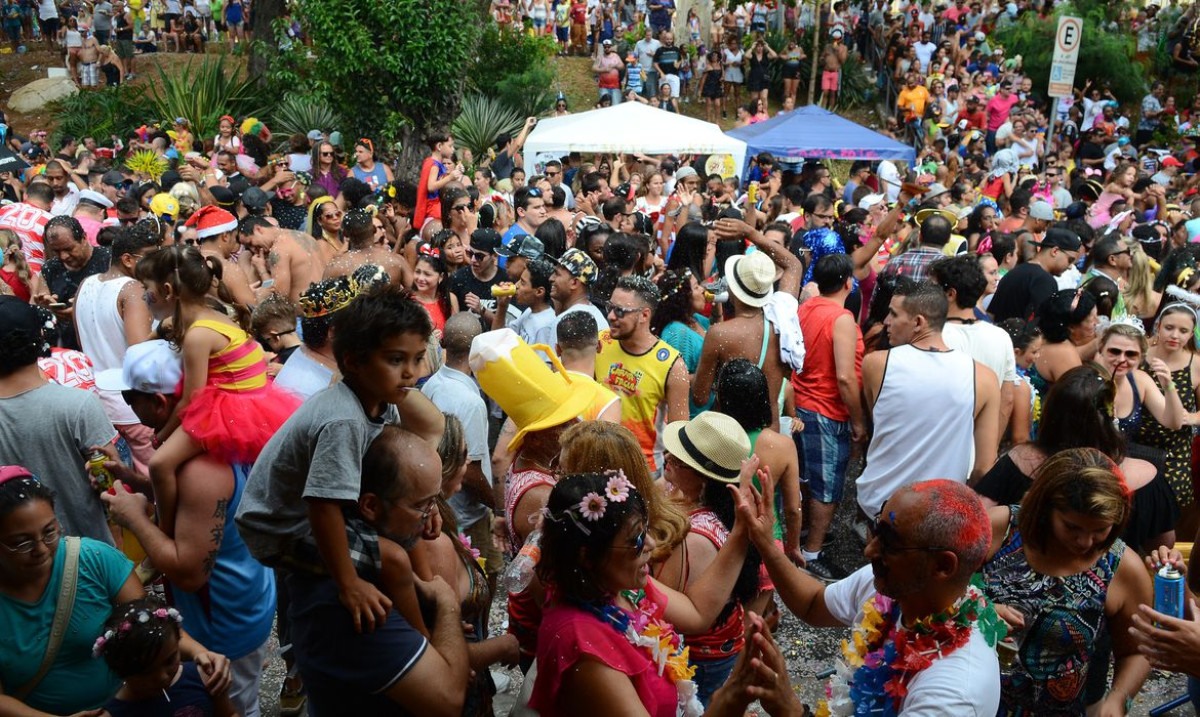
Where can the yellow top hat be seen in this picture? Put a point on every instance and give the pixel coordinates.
(946, 214)
(514, 376)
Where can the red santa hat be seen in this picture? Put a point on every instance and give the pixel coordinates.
(211, 221)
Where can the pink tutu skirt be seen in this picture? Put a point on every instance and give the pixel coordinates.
(234, 426)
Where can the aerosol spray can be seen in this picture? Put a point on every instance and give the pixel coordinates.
(1169, 591)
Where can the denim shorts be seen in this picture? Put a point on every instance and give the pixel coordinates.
(710, 675)
(824, 450)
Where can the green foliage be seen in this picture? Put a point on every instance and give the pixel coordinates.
(482, 119)
(385, 64)
(1104, 55)
(102, 113)
(298, 114)
(857, 89)
(528, 93)
(514, 68)
(202, 94)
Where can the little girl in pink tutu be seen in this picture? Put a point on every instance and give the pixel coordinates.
(228, 408)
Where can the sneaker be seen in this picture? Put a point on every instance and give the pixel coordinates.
(291, 701)
(823, 570)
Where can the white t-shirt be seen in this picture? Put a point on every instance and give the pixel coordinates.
(964, 683)
(303, 375)
(537, 328)
(589, 307)
(989, 345)
(47, 10)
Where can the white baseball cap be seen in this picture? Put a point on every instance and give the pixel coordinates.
(149, 367)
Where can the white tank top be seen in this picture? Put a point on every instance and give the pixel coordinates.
(924, 423)
(102, 335)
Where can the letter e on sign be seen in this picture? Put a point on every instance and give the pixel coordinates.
(1066, 54)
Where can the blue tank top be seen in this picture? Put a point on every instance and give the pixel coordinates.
(233, 612)
(1130, 424)
(375, 179)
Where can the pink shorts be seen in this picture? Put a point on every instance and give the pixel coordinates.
(829, 80)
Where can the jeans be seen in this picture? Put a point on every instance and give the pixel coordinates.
(710, 675)
(614, 93)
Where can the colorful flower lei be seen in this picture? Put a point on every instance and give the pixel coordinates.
(882, 656)
(664, 645)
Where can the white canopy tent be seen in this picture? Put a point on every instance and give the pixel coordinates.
(626, 128)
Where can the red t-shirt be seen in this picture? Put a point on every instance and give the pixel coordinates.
(579, 13)
(29, 224)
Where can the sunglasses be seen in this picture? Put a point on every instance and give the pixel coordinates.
(1117, 353)
(478, 255)
(552, 174)
(534, 191)
(890, 541)
(333, 215)
(638, 546)
(460, 207)
(621, 311)
(327, 154)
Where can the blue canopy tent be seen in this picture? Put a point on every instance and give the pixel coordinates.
(814, 133)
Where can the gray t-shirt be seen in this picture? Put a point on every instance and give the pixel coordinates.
(49, 430)
(102, 16)
(317, 454)
(456, 394)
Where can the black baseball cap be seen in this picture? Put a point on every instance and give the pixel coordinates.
(485, 240)
(1060, 238)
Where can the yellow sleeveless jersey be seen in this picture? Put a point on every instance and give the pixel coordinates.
(641, 382)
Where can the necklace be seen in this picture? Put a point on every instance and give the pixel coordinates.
(660, 641)
(883, 656)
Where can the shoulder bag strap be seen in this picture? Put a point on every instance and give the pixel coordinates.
(62, 617)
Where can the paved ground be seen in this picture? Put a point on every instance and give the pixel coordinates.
(808, 650)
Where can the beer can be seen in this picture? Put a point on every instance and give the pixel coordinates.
(102, 478)
(1169, 591)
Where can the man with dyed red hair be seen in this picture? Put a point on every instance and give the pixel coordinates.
(912, 606)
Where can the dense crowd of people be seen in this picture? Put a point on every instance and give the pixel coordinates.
(295, 387)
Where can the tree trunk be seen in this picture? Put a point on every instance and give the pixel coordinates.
(412, 152)
(816, 52)
(264, 46)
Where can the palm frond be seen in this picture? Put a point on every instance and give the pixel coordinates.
(201, 94)
(481, 120)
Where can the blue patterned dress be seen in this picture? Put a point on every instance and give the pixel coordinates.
(1063, 617)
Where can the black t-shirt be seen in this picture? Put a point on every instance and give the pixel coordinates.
(287, 214)
(1090, 150)
(123, 27)
(1021, 292)
(464, 282)
(668, 59)
(502, 166)
(64, 283)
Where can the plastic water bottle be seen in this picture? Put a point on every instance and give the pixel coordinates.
(521, 570)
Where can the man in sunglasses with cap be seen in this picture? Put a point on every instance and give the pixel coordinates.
(1023, 289)
(472, 284)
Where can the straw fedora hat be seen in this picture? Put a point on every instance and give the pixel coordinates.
(513, 375)
(712, 443)
(751, 277)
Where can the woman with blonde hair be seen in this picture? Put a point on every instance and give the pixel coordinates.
(598, 446)
(15, 277)
(1141, 300)
(1058, 572)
